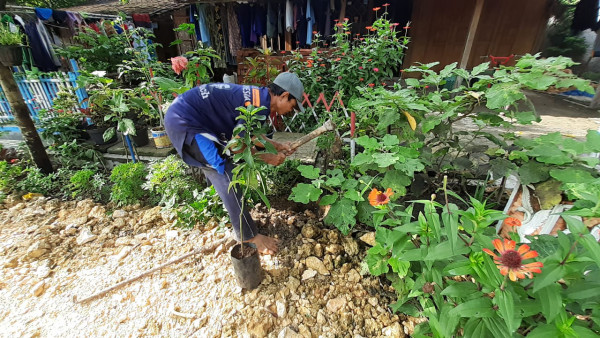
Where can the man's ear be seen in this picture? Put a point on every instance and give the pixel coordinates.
(285, 95)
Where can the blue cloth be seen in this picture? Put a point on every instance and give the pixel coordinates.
(193, 15)
(210, 153)
(310, 19)
(209, 109)
(245, 22)
(43, 13)
(259, 24)
(577, 93)
(118, 29)
(202, 22)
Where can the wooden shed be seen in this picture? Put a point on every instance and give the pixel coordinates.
(466, 31)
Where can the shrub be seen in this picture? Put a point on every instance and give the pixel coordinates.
(280, 179)
(206, 206)
(8, 178)
(87, 183)
(37, 182)
(168, 181)
(128, 179)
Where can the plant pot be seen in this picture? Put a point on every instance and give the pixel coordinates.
(141, 136)
(96, 134)
(247, 269)
(161, 140)
(11, 55)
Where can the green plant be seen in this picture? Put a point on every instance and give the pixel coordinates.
(441, 267)
(8, 37)
(74, 155)
(262, 69)
(34, 181)
(87, 183)
(204, 206)
(59, 127)
(9, 175)
(168, 181)
(282, 178)
(127, 179)
(383, 162)
(247, 175)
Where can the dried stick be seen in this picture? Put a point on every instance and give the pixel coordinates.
(205, 249)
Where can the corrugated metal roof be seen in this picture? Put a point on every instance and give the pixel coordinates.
(152, 7)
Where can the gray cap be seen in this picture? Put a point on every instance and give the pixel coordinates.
(291, 84)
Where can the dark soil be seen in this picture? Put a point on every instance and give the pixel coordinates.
(246, 251)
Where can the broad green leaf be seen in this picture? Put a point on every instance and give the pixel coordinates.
(397, 180)
(398, 266)
(549, 153)
(390, 140)
(353, 195)
(480, 68)
(367, 142)
(572, 175)
(430, 122)
(362, 158)
(328, 199)
(526, 117)
(533, 172)
(385, 160)
(584, 332)
(475, 327)
(309, 171)
(545, 331)
(443, 250)
(536, 80)
(583, 290)
(593, 248)
(305, 193)
(549, 193)
(497, 327)
(551, 301)
(459, 268)
(506, 307)
(503, 94)
(461, 290)
(342, 215)
(592, 141)
(412, 82)
(377, 262)
(551, 272)
(501, 167)
(479, 307)
(451, 227)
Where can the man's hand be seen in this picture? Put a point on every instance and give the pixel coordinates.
(273, 159)
(284, 148)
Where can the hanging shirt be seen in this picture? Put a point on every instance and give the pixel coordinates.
(289, 16)
(43, 13)
(310, 21)
(245, 24)
(233, 31)
(210, 110)
(271, 21)
(194, 20)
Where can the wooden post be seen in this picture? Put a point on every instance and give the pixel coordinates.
(23, 119)
(342, 10)
(470, 38)
(288, 40)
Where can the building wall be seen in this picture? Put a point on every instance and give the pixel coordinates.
(440, 28)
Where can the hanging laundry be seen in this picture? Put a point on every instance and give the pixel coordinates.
(43, 13)
(194, 20)
(301, 24)
(94, 27)
(204, 32)
(259, 24)
(310, 21)
(39, 50)
(585, 16)
(327, 30)
(244, 16)
(233, 31)
(289, 16)
(320, 8)
(271, 21)
(74, 21)
(142, 20)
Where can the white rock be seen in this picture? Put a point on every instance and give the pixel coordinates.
(373, 301)
(42, 271)
(288, 333)
(336, 304)
(123, 241)
(85, 236)
(316, 264)
(97, 211)
(308, 274)
(394, 330)
(39, 288)
(281, 310)
(369, 238)
(119, 214)
(171, 234)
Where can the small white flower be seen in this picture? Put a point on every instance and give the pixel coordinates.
(99, 73)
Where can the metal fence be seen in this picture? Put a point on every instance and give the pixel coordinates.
(40, 91)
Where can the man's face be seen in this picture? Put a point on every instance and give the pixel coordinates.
(285, 106)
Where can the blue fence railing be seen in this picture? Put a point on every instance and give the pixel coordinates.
(39, 92)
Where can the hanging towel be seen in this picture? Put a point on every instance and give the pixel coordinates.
(39, 50)
(59, 16)
(259, 26)
(233, 30)
(203, 27)
(310, 21)
(43, 13)
(74, 21)
(194, 20)
(289, 16)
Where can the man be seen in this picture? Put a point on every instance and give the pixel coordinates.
(200, 122)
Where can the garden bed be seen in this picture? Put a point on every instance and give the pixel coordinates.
(196, 297)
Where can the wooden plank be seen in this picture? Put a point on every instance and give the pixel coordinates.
(471, 33)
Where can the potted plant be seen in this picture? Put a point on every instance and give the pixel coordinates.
(100, 92)
(11, 47)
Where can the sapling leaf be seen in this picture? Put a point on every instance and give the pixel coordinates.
(551, 272)
(503, 94)
(305, 193)
(328, 199)
(480, 68)
(479, 307)
(572, 175)
(533, 172)
(342, 215)
(309, 171)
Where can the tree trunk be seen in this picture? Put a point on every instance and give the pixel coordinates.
(23, 119)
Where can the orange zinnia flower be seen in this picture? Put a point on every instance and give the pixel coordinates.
(510, 260)
(377, 197)
(376, 9)
(512, 222)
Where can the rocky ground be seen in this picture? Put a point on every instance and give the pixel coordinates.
(51, 251)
